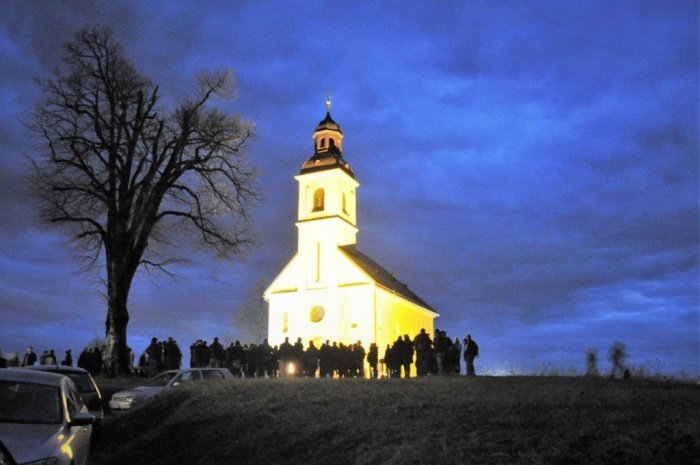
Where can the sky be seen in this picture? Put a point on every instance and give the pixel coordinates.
(530, 169)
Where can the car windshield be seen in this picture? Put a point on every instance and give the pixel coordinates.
(22, 402)
(162, 380)
(82, 382)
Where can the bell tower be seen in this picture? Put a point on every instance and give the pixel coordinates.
(327, 215)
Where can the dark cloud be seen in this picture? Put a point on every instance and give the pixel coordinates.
(530, 171)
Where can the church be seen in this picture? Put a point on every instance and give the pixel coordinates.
(330, 290)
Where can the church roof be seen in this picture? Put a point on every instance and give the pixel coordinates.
(328, 123)
(383, 277)
(325, 161)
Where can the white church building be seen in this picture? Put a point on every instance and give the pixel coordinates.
(330, 290)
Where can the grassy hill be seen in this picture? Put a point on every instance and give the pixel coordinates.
(483, 420)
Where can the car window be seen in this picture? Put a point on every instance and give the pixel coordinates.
(82, 382)
(73, 400)
(188, 377)
(29, 403)
(210, 375)
(162, 380)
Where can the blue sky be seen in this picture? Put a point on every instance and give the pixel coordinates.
(530, 169)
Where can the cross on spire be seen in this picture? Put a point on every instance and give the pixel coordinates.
(328, 100)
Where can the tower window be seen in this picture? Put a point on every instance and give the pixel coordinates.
(318, 200)
(345, 207)
(323, 142)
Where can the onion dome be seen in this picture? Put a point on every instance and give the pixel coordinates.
(328, 145)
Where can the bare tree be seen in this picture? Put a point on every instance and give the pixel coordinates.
(252, 318)
(124, 174)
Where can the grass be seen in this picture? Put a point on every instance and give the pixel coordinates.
(485, 420)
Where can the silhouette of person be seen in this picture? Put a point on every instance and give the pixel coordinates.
(285, 356)
(422, 344)
(155, 358)
(471, 351)
(216, 354)
(68, 360)
(29, 357)
(591, 362)
(617, 355)
(373, 359)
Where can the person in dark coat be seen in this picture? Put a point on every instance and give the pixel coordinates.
(216, 354)
(358, 360)
(311, 360)
(155, 358)
(298, 357)
(68, 360)
(285, 355)
(373, 359)
(423, 345)
(471, 351)
(29, 358)
(171, 355)
(407, 355)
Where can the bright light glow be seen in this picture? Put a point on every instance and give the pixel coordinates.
(290, 368)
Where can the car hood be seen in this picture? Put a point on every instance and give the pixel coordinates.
(27, 443)
(141, 391)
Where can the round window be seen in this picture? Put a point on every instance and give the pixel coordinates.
(316, 314)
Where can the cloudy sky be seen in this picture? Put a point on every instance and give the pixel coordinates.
(530, 169)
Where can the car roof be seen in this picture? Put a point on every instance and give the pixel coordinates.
(58, 369)
(31, 376)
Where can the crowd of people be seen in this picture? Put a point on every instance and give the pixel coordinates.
(439, 355)
(435, 356)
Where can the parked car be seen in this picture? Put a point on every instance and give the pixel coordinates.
(87, 388)
(5, 456)
(125, 400)
(42, 418)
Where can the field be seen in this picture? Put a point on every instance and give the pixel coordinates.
(483, 420)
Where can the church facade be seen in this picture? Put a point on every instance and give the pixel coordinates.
(330, 290)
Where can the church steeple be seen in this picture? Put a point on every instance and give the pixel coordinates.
(328, 146)
(327, 188)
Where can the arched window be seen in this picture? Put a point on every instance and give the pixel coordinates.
(345, 207)
(318, 200)
(323, 142)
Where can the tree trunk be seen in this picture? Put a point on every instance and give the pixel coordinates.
(116, 354)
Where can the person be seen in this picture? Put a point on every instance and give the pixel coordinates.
(617, 356)
(235, 356)
(311, 361)
(216, 354)
(455, 356)
(285, 357)
(471, 351)
(298, 357)
(406, 355)
(29, 358)
(155, 358)
(358, 356)
(325, 367)
(422, 344)
(68, 359)
(171, 354)
(51, 358)
(591, 362)
(373, 360)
